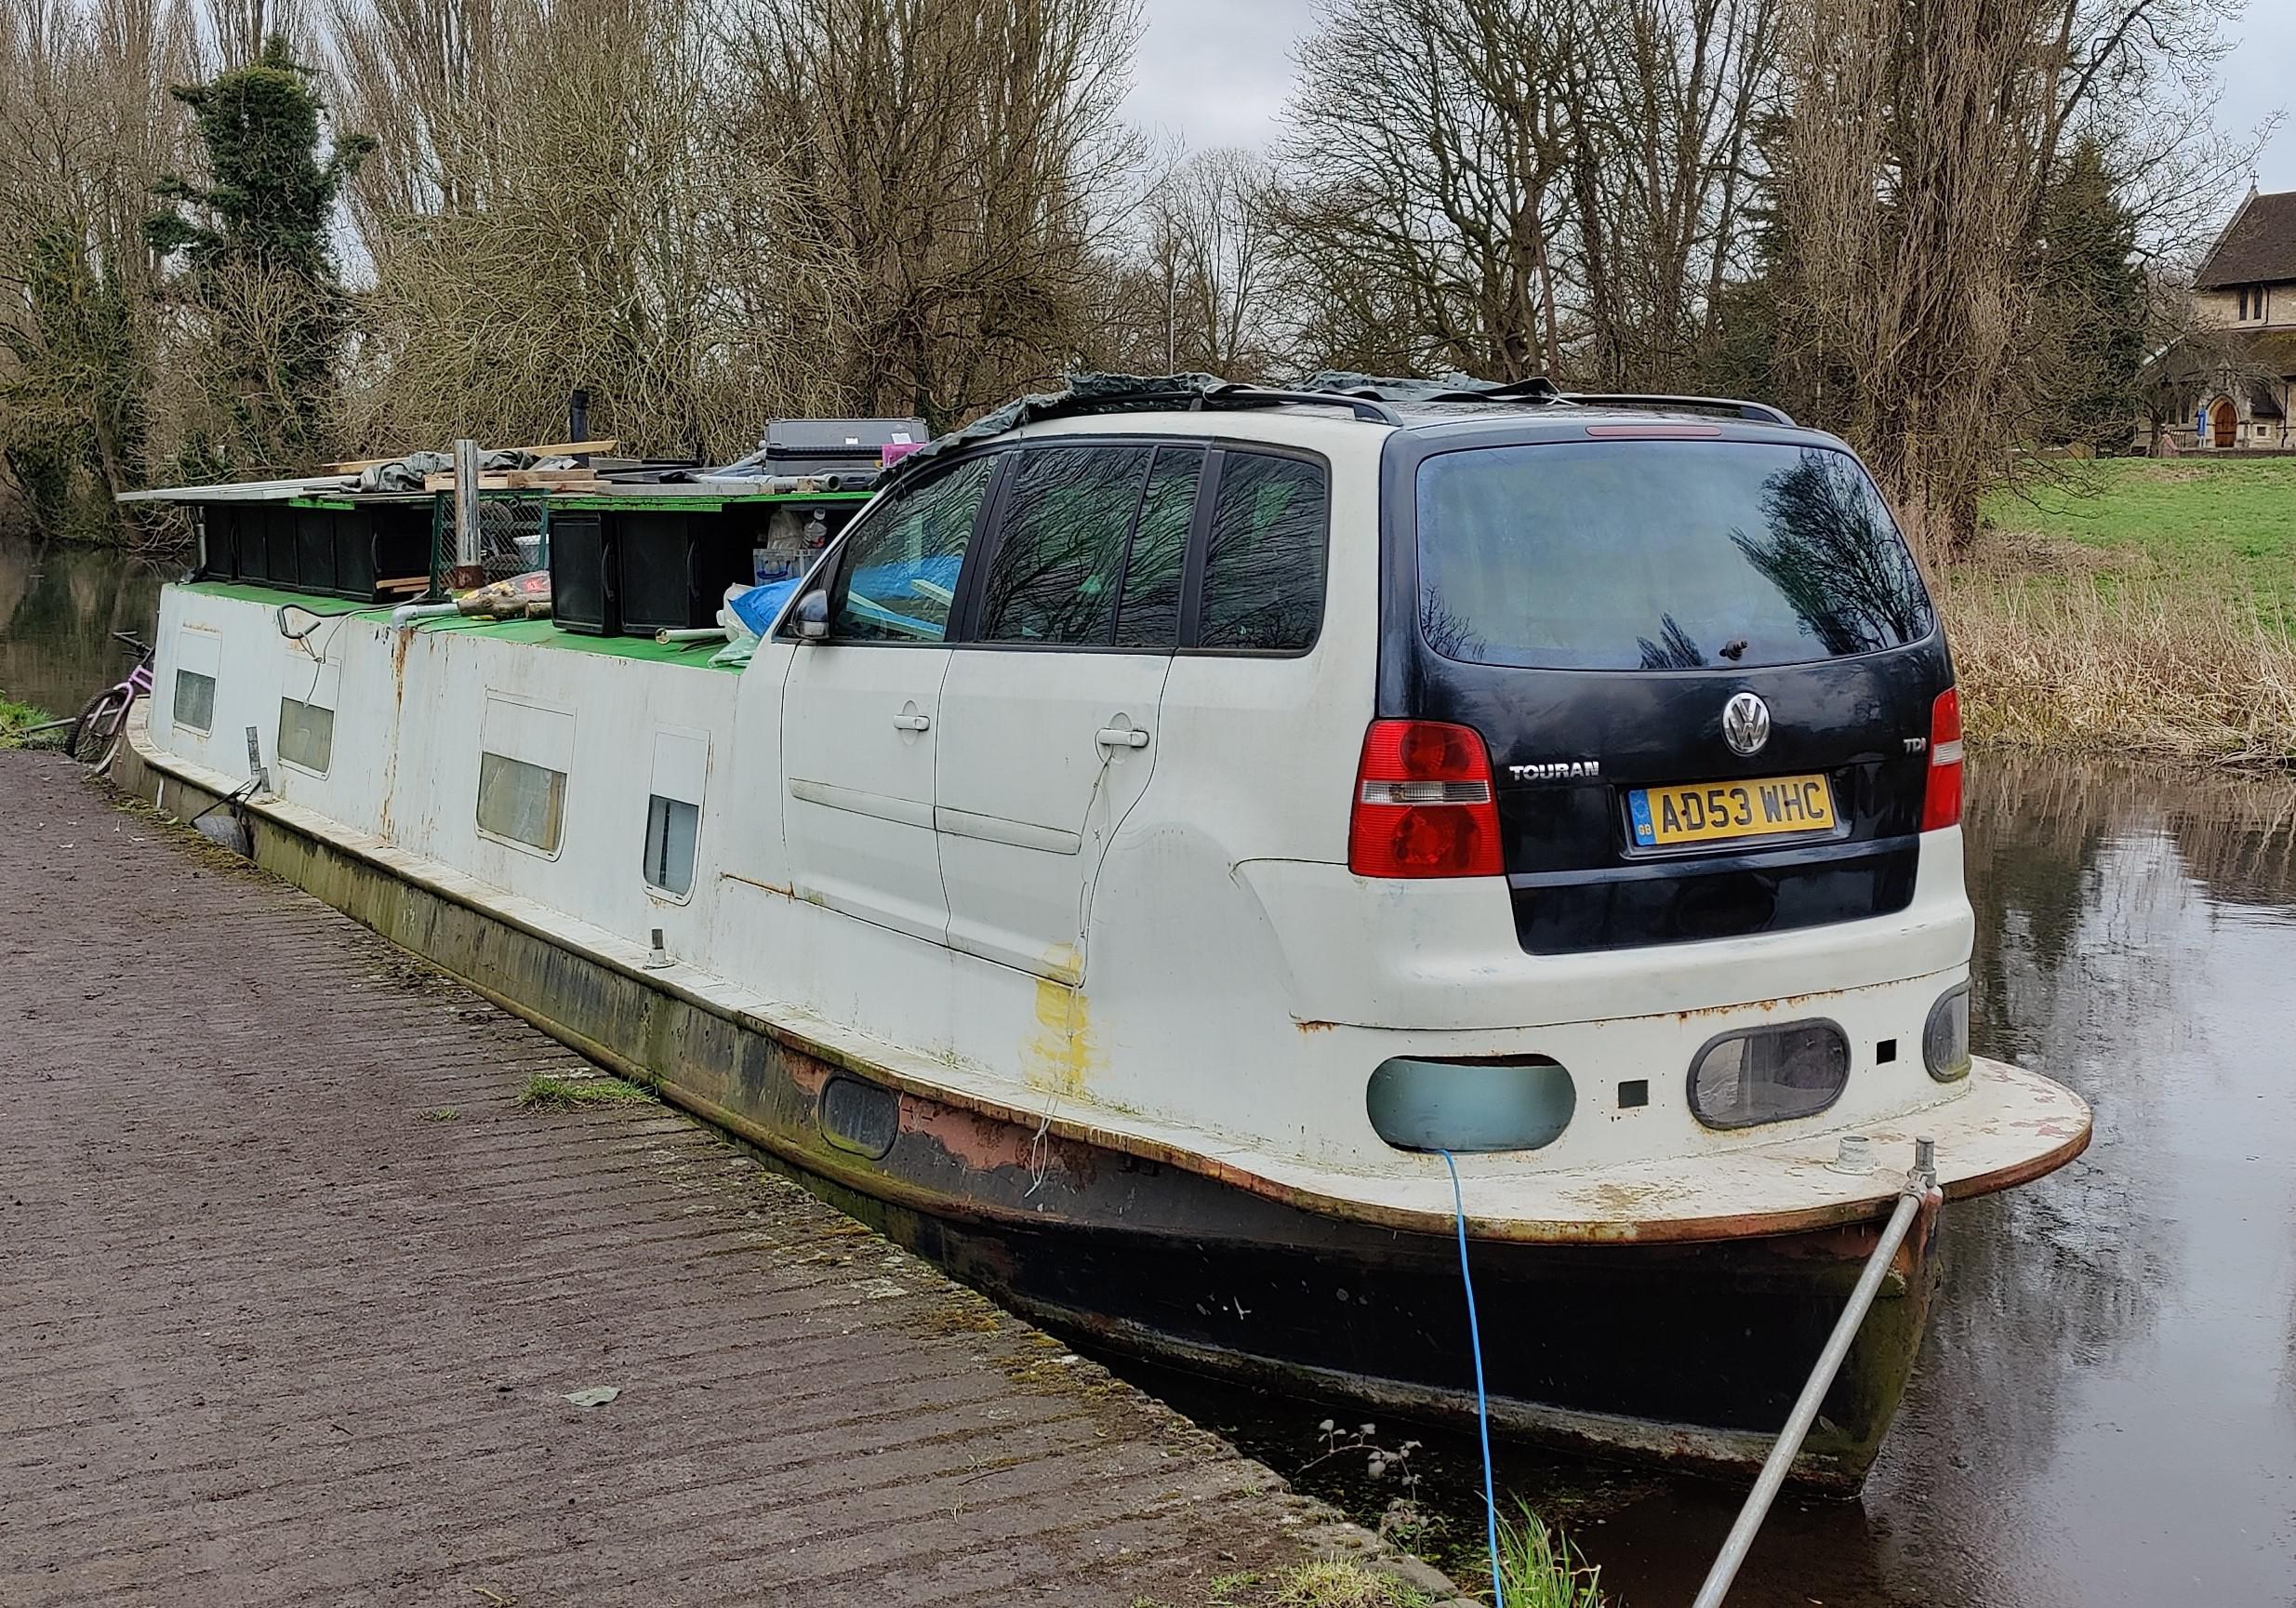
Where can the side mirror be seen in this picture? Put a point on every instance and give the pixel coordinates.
(812, 616)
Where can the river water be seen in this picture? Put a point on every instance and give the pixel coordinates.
(57, 606)
(2104, 1412)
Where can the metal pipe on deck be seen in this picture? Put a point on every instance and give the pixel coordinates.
(1920, 1185)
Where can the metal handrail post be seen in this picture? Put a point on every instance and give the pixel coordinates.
(1920, 1183)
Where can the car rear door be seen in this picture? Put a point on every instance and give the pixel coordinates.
(858, 710)
(1048, 730)
(1703, 663)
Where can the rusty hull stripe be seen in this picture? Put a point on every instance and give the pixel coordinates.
(1749, 1225)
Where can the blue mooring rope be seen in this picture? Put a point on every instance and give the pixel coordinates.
(1483, 1402)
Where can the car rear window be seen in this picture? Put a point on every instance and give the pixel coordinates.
(1660, 555)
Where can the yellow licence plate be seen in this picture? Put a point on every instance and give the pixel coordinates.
(1712, 812)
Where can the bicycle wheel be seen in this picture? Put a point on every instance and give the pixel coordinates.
(96, 734)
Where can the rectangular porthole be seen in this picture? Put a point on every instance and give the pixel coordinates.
(1634, 1092)
(306, 735)
(191, 701)
(1885, 1052)
(525, 751)
(680, 776)
(523, 803)
(193, 705)
(672, 827)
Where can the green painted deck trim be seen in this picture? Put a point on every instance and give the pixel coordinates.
(280, 597)
(542, 633)
(531, 632)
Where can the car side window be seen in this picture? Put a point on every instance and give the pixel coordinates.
(1150, 615)
(1059, 560)
(899, 575)
(1263, 586)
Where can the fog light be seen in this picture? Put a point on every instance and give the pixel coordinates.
(1517, 1103)
(1768, 1074)
(1945, 1039)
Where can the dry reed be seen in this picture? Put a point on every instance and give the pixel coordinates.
(2140, 668)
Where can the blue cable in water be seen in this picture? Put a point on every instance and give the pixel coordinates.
(1483, 1402)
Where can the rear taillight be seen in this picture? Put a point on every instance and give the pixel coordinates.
(1941, 804)
(1423, 805)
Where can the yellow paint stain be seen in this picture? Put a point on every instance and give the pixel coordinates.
(1059, 1055)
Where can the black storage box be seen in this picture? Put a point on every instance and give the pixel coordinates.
(675, 566)
(219, 542)
(387, 542)
(282, 544)
(314, 546)
(585, 577)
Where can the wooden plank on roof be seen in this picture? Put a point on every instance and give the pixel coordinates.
(571, 449)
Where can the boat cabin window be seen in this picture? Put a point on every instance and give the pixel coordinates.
(1262, 584)
(673, 810)
(522, 802)
(898, 579)
(306, 735)
(195, 700)
(672, 827)
(524, 751)
(191, 703)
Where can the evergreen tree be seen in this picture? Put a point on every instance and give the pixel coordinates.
(253, 239)
(2092, 302)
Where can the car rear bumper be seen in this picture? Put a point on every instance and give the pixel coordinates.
(1445, 956)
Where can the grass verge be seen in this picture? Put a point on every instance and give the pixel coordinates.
(544, 1093)
(16, 719)
(2147, 606)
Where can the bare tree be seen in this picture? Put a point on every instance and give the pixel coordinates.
(1529, 187)
(930, 181)
(1210, 248)
(536, 222)
(1929, 142)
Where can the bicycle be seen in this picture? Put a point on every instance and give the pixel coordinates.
(102, 724)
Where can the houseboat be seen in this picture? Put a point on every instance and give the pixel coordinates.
(1163, 832)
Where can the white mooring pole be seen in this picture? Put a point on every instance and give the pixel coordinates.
(1920, 1184)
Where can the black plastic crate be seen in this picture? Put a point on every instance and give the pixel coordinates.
(314, 546)
(585, 577)
(675, 567)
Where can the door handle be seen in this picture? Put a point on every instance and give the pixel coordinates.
(912, 723)
(1121, 737)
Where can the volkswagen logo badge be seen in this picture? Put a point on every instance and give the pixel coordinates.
(1745, 724)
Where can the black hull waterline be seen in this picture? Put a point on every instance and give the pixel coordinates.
(1688, 1353)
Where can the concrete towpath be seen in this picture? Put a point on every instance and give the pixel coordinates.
(295, 1300)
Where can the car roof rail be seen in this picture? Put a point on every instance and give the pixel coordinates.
(1760, 412)
(1368, 408)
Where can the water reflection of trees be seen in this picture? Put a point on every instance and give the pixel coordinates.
(2099, 895)
(57, 604)
(1673, 650)
(1830, 551)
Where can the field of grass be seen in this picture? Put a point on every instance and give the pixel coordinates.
(2135, 606)
(2205, 521)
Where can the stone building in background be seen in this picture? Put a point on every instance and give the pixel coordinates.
(2228, 383)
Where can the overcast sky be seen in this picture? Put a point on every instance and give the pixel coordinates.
(1216, 71)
